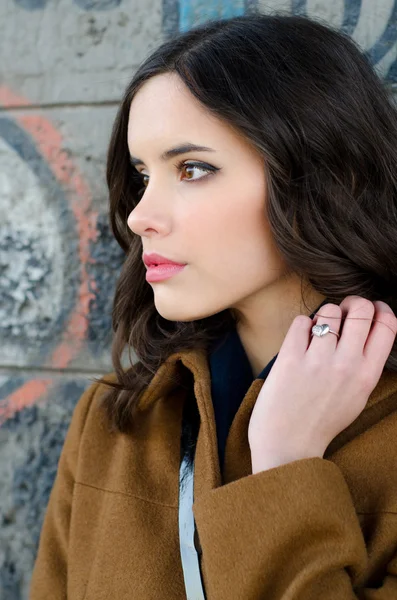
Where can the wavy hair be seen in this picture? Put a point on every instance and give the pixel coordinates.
(309, 101)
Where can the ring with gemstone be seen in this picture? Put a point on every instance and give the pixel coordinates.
(320, 330)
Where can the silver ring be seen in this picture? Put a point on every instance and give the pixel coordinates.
(320, 330)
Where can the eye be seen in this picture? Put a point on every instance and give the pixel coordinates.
(145, 179)
(189, 169)
(140, 179)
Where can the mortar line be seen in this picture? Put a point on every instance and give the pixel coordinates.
(56, 105)
(13, 370)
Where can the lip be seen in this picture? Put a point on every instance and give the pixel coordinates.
(163, 271)
(153, 258)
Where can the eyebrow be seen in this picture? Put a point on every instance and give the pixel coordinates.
(167, 154)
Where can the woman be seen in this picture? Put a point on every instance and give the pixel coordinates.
(250, 451)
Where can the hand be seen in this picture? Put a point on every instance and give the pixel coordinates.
(319, 385)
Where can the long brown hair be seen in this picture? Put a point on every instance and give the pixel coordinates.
(309, 101)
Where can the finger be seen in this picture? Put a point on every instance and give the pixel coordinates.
(357, 315)
(298, 336)
(329, 314)
(381, 337)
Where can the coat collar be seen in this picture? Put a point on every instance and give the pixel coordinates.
(237, 453)
(226, 355)
(207, 365)
(196, 361)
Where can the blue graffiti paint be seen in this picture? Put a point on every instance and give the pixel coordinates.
(194, 12)
(170, 19)
(352, 9)
(392, 74)
(182, 15)
(39, 432)
(32, 4)
(98, 4)
(8, 387)
(386, 40)
(50, 331)
(298, 7)
(84, 4)
(351, 15)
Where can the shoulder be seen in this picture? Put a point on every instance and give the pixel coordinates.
(127, 463)
(87, 409)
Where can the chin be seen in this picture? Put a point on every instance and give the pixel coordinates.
(175, 316)
(182, 315)
(172, 313)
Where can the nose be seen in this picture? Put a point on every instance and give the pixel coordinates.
(150, 216)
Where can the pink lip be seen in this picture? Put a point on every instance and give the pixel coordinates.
(164, 271)
(156, 259)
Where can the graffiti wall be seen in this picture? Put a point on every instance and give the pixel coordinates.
(64, 66)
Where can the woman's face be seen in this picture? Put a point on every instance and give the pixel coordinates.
(213, 220)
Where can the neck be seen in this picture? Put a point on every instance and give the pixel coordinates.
(264, 319)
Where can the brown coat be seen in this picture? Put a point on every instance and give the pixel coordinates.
(313, 529)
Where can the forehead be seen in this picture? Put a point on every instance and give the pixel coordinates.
(165, 109)
(165, 94)
(164, 113)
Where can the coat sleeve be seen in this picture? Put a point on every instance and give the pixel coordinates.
(49, 577)
(288, 533)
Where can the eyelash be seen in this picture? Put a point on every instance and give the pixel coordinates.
(209, 169)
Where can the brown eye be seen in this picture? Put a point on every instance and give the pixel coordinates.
(189, 170)
(142, 180)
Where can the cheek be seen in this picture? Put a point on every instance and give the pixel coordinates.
(229, 236)
(231, 256)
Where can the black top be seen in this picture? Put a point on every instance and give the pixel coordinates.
(231, 376)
